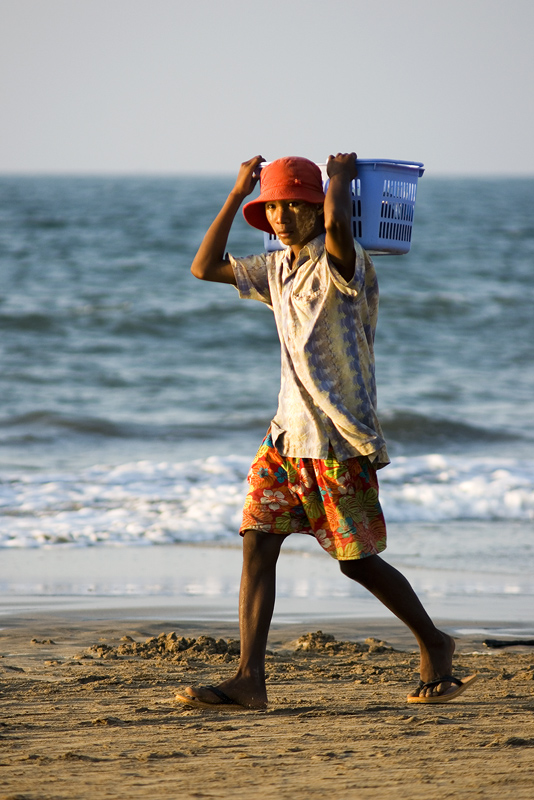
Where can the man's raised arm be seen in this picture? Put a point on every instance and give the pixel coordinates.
(209, 264)
(339, 242)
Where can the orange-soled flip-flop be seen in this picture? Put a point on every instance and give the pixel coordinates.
(452, 692)
(223, 700)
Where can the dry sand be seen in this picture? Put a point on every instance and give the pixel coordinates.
(88, 712)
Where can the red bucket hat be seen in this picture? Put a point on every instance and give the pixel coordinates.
(291, 178)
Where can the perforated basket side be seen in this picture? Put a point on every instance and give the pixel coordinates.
(384, 215)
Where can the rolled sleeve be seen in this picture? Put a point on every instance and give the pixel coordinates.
(362, 266)
(251, 277)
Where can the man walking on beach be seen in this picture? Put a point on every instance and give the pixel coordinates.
(315, 471)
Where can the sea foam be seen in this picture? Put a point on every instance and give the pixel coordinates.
(145, 503)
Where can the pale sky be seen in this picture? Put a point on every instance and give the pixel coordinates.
(169, 86)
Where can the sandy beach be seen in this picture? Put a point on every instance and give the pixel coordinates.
(88, 709)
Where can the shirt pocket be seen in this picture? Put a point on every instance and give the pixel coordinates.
(306, 297)
(309, 291)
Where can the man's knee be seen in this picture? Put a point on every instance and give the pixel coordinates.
(262, 546)
(359, 569)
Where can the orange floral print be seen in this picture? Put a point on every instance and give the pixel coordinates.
(337, 502)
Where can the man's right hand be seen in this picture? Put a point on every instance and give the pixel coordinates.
(247, 177)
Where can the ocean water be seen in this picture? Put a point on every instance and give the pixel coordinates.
(133, 397)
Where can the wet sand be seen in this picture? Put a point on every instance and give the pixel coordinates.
(88, 709)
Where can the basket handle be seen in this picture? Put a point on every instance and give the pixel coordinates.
(375, 161)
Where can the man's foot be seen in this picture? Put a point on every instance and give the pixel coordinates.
(233, 693)
(435, 666)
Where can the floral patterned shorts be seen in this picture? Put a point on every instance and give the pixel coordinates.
(335, 501)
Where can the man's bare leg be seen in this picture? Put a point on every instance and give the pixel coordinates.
(394, 591)
(256, 605)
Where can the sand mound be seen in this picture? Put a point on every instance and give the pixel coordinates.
(325, 643)
(167, 645)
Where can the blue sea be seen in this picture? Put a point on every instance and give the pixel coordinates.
(133, 397)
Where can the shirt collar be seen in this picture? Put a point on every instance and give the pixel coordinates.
(315, 247)
(310, 251)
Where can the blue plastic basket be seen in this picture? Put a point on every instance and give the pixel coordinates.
(383, 205)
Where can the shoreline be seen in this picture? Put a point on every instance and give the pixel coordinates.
(200, 582)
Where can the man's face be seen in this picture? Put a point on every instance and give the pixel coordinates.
(295, 222)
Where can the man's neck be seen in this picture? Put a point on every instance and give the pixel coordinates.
(296, 248)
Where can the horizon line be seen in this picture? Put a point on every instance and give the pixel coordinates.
(220, 174)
